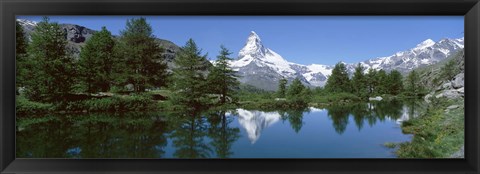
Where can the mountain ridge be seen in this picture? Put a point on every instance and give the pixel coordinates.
(254, 57)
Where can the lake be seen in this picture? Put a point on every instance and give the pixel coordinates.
(357, 130)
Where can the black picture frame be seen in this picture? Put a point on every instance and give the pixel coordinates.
(10, 8)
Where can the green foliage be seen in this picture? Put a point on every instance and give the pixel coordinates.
(190, 85)
(21, 45)
(437, 134)
(372, 82)
(295, 90)
(382, 82)
(390, 145)
(96, 62)
(282, 85)
(413, 86)
(359, 82)
(136, 102)
(222, 78)
(336, 97)
(26, 108)
(448, 70)
(140, 60)
(395, 82)
(50, 73)
(339, 81)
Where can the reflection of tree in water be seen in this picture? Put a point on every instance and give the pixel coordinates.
(222, 136)
(144, 138)
(189, 136)
(42, 140)
(413, 106)
(295, 117)
(361, 112)
(94, 136)
(339, 115)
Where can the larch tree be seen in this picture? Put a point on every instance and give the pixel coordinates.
(51, 76)
(189, 77)
(96, 62)
(142, 63)
(222, 79)
(282, 87)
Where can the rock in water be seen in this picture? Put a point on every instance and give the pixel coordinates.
(378, 98)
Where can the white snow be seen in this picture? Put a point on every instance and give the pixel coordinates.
(27, 22)
(324, 69)
(254, 51)
(425, 44)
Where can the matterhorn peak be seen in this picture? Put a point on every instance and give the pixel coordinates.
(253, 46)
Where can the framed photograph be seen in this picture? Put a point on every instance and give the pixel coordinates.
(214, 86)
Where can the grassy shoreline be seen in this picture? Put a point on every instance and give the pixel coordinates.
(438, 132)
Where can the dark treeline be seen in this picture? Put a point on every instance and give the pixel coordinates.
(373, 83)
(47, 71)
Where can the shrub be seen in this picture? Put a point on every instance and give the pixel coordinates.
(25, 107)
(135, 102)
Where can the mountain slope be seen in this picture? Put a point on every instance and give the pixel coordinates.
(262, 67)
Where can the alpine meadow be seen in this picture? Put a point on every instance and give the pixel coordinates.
(193, 87)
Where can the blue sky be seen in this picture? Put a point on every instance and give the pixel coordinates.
(299, 39)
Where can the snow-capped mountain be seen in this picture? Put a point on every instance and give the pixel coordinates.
(426, 53)
(262, 67)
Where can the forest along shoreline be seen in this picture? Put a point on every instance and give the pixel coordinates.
(129, 73)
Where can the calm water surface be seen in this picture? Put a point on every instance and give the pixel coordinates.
(343, 131)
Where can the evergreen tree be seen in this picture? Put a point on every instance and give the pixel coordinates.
(338, 80)
(295, 90)
(142, 62)
(96, 61)
(413, 86)
(222, 78)
(282, 86)
(382, 82)
(51, 75)
(20, 54)
(359, 82)
(372, 82)
(189, 81)
(448, 70)
(395, 82)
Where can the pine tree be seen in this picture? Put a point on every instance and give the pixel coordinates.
(359, 82)
(222, 79)
(96, 61)
(339, 80)
(51, 75)
(382, 80)
(372, 82)
(294, 91)
(189, 81)
(143, 65)
(413, 86)
(395, 82)
(21, 45)
(282, 85)
(448, 70)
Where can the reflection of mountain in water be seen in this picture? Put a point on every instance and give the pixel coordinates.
(255, 121)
